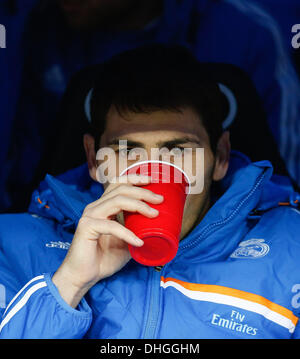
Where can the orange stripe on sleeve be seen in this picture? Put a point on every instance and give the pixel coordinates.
(237, 294)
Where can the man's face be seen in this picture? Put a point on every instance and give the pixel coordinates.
(93, 13)
(154, 131)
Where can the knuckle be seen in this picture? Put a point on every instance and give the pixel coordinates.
(87, 207)
(85, 222)
(87, 210)
(124, 187)
(111, 187)
(120, 198)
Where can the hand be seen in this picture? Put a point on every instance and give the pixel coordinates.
(100, 244)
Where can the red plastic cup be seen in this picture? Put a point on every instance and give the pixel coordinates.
(160, 234)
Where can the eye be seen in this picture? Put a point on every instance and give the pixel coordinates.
(122, 151)
(177, 150)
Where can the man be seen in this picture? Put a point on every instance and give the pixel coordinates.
(236, 271)
(244, 115)
(64, 36)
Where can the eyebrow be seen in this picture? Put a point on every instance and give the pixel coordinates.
(179, 141)
(171, 143)
(130, 143)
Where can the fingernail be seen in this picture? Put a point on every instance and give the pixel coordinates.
(138, 241)
(154, 211)
(144, 178)
(158, 196)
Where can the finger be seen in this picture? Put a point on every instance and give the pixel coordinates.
(134, 192)
(118, 203)
(94, 228)
(130, 180)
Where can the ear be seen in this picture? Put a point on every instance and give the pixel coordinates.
(222, 157)
(89, 147)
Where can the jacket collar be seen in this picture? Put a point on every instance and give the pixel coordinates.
(64, 198)
(232, 209)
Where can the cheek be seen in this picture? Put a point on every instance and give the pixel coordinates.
(107, 170)
(114, 164)
(123, 161)
(193, 205)
(198, 166)
(199, 194)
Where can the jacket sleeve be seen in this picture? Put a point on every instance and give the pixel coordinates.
(296, 334)
(38, 312)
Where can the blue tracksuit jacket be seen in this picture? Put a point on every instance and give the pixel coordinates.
(236, 275)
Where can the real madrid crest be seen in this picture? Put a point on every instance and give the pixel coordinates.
(252, 248)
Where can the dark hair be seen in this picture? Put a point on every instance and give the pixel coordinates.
(157, 77)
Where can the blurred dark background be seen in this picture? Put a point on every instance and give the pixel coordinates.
(53, 48)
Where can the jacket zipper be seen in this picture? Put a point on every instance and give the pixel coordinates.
(153, 311)
(155, 273)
